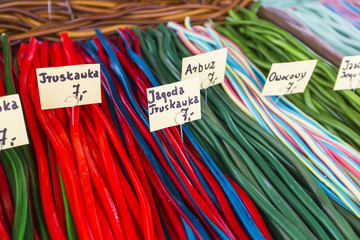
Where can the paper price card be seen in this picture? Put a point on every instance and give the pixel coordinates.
(288, 78)
(349, 74)
(208, 67)
(12, 125)
(68, 86)
(173, 104)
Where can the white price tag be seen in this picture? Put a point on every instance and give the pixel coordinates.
(68, 86)
(349, 74)
(12, 124)
(173, 104)
(288, 78)
(208, 67)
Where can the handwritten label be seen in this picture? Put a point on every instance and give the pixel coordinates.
(288, 78)
(349, 74)
(69, 85)
(12, 125)
(173, 104)
(208, 67)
